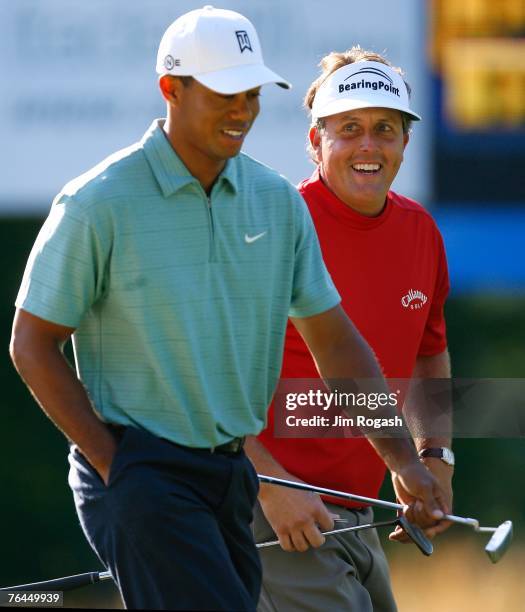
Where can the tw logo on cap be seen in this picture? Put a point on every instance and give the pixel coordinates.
(387, 86)
(243, 40)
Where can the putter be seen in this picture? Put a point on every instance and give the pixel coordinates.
(495, 548)
(413, 532)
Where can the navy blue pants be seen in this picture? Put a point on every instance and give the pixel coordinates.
(173, 524)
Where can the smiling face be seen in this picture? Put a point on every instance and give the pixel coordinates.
(360, 152)
(207, 128)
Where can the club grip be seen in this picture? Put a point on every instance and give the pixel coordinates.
(58, 584)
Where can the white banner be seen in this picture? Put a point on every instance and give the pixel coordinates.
(78, 82)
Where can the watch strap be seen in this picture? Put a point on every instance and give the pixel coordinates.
(443, 453)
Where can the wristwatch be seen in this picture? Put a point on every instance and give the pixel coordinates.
(445, 454)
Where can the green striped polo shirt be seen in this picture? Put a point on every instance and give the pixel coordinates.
(179, 300)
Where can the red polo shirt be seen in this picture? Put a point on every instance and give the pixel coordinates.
(391, 272)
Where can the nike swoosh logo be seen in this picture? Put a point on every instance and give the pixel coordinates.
(250, 239)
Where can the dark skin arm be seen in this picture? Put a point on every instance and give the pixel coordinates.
(431, 366)
(341, 353)
(37, 352)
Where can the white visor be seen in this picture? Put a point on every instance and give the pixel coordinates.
(362, 85)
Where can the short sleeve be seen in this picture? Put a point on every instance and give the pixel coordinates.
(434, 339)
(313, 289)
(65, 271)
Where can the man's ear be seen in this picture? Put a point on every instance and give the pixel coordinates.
(170, 87)
(314, 137)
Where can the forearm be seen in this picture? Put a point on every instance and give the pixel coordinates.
(349, 357)
(351, 362)
(428, 409)
(63, 398)
(264, 463)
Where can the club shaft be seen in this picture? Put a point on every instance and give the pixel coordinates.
(332, 492)
(365, 500)
(335, 531)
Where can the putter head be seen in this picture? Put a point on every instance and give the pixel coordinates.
(499, 542)
(416, 535)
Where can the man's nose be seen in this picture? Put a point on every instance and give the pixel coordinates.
(367, 141)
(241, 109)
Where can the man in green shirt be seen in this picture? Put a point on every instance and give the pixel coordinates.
(174, 265)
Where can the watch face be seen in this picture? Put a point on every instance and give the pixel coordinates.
(448, 456)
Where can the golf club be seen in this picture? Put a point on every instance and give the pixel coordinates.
(495, 548)
(413, 532)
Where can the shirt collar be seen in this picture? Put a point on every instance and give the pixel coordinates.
(169, 169)
(337, 208)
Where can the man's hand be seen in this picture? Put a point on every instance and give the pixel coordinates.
(443, 475)
(297, 517)
(419, 489)
(104, 466)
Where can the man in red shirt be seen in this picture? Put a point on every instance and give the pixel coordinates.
(386, 257)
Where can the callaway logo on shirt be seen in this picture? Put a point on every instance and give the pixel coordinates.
(414, 299)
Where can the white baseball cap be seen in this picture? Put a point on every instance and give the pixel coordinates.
(362, 84)
(218, 48)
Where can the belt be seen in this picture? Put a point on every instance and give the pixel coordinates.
(229, 448)
(233, 447)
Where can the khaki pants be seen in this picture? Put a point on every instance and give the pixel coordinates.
(348, 573)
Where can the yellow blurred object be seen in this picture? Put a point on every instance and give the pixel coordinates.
(452, 18)
(485, 83)
(486, 88)
(457, 578)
